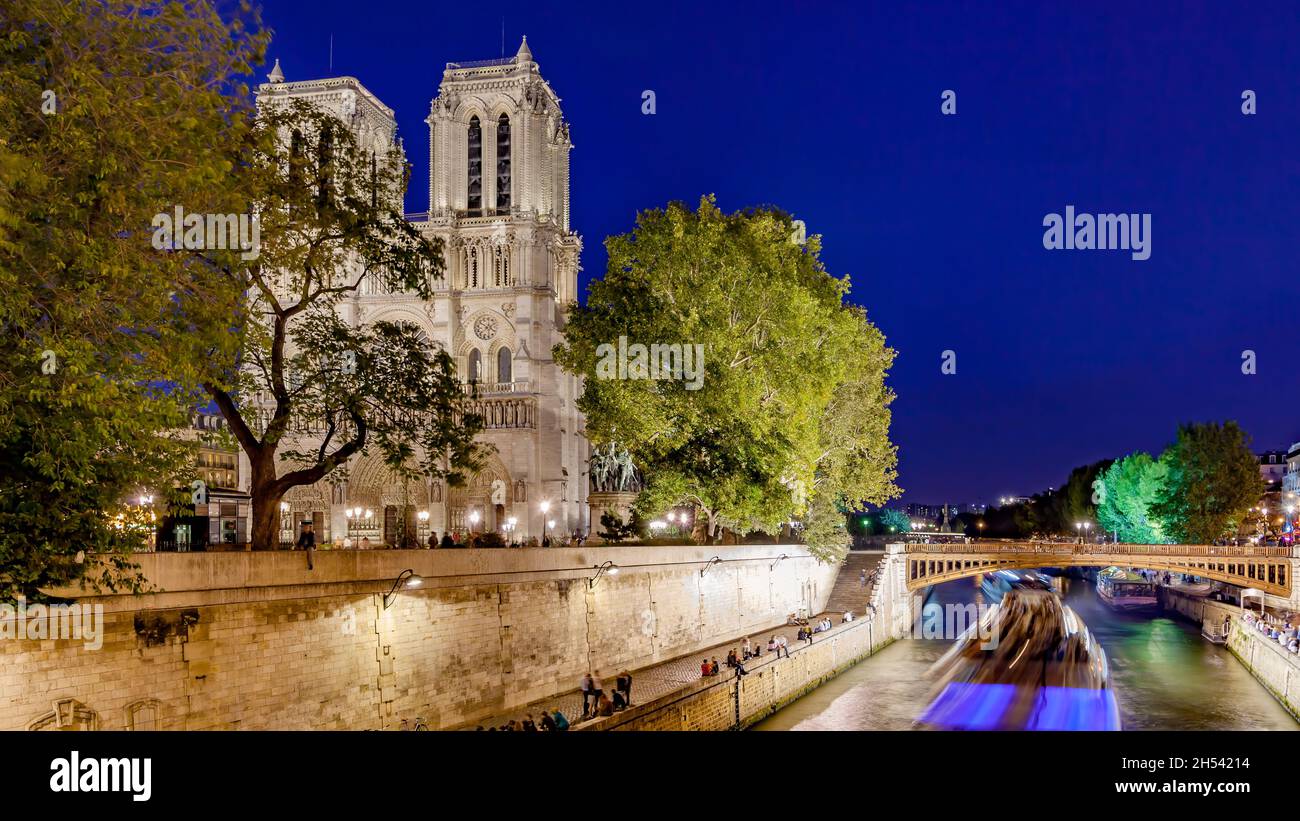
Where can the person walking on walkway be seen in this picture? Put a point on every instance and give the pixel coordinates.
(782, 643)
(585, 687)
(597, 688)
(307, 541)
(862, 579)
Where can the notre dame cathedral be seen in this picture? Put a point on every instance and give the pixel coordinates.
(499, 200)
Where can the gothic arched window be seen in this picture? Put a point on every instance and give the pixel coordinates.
(503, 365)
(471, 267)
(475, 367)
(503, 163)
(475, 167)
(501, 266)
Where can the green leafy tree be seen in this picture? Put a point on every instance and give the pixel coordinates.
(1127, 491)
(331, 221)
(1213, 480)
(110, 112)
(1077, 499)
(790, 416)
(894, 521)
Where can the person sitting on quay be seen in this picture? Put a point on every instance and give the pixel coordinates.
(604, 707)
(758, 650)
(623, 684)
(706, 669)
(714, 668)
(732, 661)
(847, 617)
(620, 703)
(307, 541)
(548, 723)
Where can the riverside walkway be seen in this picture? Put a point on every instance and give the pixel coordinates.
(668, 677)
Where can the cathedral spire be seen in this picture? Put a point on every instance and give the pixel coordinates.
(276, 75)
(524, 55)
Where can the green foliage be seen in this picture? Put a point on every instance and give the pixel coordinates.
(613, 529)
(1213, 480)
(332, 221)
(791, 420)
(893, 521)
(142, 122)
(1128, 490)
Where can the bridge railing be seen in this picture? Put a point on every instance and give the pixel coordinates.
(1067, 548)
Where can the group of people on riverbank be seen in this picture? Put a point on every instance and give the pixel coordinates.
(552, 722)
(1285, 632)
(807, 633)
(595, 704)
(736, 658)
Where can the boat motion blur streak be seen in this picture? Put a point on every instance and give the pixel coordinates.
(1044, 671)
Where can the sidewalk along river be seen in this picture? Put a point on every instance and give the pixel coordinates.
(1166, 677)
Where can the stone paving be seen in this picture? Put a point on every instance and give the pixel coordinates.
(650, 683)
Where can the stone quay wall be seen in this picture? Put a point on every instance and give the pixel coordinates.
(1269, 662)
(257, 641)
(729, 703)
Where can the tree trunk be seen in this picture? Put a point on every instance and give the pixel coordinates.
(266, 523)
(266, 495)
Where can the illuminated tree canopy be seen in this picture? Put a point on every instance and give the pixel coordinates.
(1126, 493)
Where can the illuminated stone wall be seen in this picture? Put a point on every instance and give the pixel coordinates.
(255, 640)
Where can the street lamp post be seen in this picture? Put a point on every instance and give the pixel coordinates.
(423, 517)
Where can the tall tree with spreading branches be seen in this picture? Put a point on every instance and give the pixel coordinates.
(311, 387)
(783, 412)
(110, 112)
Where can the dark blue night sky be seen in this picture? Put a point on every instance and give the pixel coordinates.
(832, 112)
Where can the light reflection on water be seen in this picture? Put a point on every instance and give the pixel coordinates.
(1166, 677)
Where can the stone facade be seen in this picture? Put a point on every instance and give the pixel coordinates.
(499, 200)
(255, 640)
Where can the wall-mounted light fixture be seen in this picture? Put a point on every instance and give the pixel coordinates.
(602, 569)
(411, 579)
(712, 562)
(779, 559)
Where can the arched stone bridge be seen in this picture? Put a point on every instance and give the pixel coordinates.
(1269, 569)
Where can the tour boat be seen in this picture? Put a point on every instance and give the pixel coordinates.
(1126, 590)
(1039, 669)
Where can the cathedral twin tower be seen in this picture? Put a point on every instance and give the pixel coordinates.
(499, 201)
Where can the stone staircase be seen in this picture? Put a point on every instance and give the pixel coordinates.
(848, 592)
